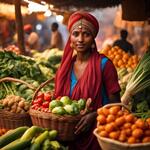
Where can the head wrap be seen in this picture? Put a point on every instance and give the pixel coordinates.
(80, 18)
(27, 27)
(89, 85)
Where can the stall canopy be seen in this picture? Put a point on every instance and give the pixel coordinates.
(89, 4)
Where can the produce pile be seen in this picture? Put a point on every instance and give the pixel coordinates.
(120, 58)
(24, 68)
(49, 60)
(33, 138)
(14, 104)
(119, 124)
(60, 106)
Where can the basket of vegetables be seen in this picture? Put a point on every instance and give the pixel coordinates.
(118, 129)
(61, 114)
(13, 108)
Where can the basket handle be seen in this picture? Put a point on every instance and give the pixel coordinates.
(118, 104)
(40, 87)
(17, 80)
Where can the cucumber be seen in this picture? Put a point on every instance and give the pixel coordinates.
(39, 140)
(12, 135)
(30, 133)
(35, 146)
(17, 145)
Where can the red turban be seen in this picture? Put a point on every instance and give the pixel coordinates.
(91, 21)
(27, 27)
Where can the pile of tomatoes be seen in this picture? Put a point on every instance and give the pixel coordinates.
(121, 125)
(41, 102)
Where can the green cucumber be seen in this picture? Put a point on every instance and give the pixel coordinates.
(12, 135)
(35, 146)
(30, 133)
(39, 140)
(17, 145)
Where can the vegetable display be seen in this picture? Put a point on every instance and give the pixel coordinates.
(119, 124)
(33, 138)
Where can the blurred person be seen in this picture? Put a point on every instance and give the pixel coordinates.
(31, 38)
(123, 43)
(56, 37)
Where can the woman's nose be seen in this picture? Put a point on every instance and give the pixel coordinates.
(80, 38)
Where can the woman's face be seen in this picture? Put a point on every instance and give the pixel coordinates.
(81, 39)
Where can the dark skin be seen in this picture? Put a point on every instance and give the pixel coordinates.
(81, 40)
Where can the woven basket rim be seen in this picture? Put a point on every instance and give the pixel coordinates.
(48, 115)
(3, 111)
(117, 104)
(95, 132)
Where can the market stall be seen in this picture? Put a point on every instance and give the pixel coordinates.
(39, 120)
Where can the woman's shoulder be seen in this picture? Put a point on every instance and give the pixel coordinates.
(106, 60)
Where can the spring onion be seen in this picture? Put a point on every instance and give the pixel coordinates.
(139, 80)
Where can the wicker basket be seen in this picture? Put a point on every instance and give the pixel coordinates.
(65, 125)
(11, 120)
(110, 144)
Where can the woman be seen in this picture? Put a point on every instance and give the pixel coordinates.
(84, 76)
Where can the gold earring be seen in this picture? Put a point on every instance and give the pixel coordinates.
(93, 46)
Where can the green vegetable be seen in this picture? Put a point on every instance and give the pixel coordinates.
(17, 145)
(81, 103)
(12, 135)
(39, 140)
(55, 145)
(139, 80)
(59, 110)
(52, 134)
(46, 145)
(30, 133)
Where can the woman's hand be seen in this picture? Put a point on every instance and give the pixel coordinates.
(85, 123)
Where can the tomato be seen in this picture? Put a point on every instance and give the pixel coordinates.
(45, 104)
(39, 101)
(40, 95)
(34, 102)
(47, 96)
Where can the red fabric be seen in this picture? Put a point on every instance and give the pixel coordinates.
(88, 86)
(79, 15)
(112, 86)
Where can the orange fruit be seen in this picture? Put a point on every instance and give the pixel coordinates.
(131, 140)
(101, 119)
(146, 139)
(110, 127)
(122, 137)
(120, 121)
(110, 118)
(137, 133)
(114, 110)
(129, 118)
(103, 134)
(114, 135)
(140, 124)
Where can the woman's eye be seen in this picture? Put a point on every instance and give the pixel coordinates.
(75, 33)
(87, 34)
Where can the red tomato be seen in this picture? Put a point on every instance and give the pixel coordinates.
(39, 101)
(45, 104)
(47, 96)
(40, 95)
